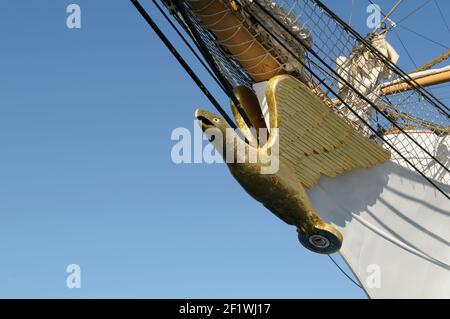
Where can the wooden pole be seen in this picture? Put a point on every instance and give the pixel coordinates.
(425, 81)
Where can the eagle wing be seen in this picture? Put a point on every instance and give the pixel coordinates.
(313, 140)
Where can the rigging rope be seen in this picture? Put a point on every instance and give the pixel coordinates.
(210, 59)
(307, 67)
(387, 16)
(327, 69)
(405, 48)
(416, 33)
(186, 42)
(269, 14)
(344, 272)
(398, 23)
(414, 11)
(423, 36)
(351, 13)
(442, 15)
(432, 63)
(182, 62)
(424, 93)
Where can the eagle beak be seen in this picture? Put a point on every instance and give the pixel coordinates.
(203, 117)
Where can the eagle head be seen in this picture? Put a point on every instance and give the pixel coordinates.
(210, 121)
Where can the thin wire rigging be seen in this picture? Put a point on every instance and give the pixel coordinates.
(442, 15)
(415, 11)
(398, 23)
(351, 13)
(344, 272)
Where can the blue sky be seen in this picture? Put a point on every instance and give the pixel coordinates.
(86, 175)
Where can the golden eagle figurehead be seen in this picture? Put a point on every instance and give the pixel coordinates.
(312, 141)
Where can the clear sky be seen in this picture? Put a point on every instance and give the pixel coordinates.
(86, 175)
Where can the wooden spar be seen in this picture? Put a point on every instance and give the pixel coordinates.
(237, 38)
(426, 81)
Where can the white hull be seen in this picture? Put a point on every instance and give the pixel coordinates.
(396, 230)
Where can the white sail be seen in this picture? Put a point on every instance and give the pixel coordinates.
(396, 225)
(396, 228)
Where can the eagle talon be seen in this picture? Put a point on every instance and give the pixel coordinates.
(324, 239)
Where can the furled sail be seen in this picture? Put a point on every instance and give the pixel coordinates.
(364, 71)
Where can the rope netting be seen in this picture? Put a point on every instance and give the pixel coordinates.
(357, 77)
(226, 65)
